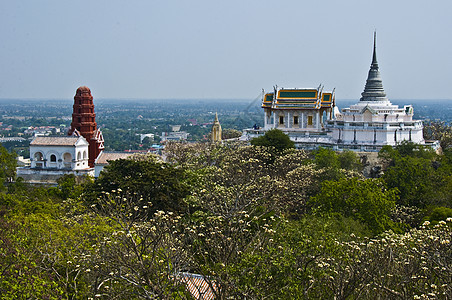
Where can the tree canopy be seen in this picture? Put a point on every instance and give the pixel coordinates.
(368, 201)
(274, 138)
(8, 166)
(247, 226)
(147, 177)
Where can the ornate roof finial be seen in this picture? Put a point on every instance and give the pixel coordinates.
(373, 91)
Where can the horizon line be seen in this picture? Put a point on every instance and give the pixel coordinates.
(202, 99)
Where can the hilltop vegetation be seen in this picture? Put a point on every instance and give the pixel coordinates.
(255, 222)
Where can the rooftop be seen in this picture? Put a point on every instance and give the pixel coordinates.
(298, 98)
(55, 141)
(104, 157)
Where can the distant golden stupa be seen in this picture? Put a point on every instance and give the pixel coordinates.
(215, 135)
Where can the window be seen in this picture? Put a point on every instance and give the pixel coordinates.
(309, 120)
(281, 120)
(38, 156)
(295, 120)
(53, 158)
(67, 157)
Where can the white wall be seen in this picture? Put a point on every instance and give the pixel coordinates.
(78, 157)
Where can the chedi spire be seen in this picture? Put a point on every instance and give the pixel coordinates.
(84, 123)
(373, 91)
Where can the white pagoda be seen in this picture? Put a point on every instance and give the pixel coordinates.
(374, 121)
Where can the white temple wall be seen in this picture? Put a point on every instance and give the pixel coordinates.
(368, 136)
(381, 137)
(267, 119)
(335, 133)
(272, 119)
(347, 136)
(417, 136)
(288, 119)
(365, 136)
(59, 157)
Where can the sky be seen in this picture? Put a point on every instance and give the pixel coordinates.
(205, 49)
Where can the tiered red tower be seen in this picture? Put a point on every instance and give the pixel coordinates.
(84, 123)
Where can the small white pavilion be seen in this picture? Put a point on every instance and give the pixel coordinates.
(53, 157)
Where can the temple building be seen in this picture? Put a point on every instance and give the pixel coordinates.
(53, 157)
(311, 119)
(300, 113)
(215, 134)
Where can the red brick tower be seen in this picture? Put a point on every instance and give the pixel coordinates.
(84, 123)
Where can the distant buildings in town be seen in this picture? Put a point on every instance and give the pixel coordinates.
(174, 135)
(150, 136)
(43, 130)
(12, 139)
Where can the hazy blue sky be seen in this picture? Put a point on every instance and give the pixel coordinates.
(222, 49)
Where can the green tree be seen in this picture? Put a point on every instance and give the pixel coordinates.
(230, 133)
(274, 138)
(349, 160)
(145, 175)
(365, 200)
(415, 178)
(438, 213)
(40, 244)
(329, 159)
(70, 186)
(143, 257)
(422, 177)
(326, 158)
(334, 166)
(8, 166)
(406, 148)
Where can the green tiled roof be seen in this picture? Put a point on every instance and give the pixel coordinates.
(268, 99)
(298, 98)
(297, 94)
(326, 100)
